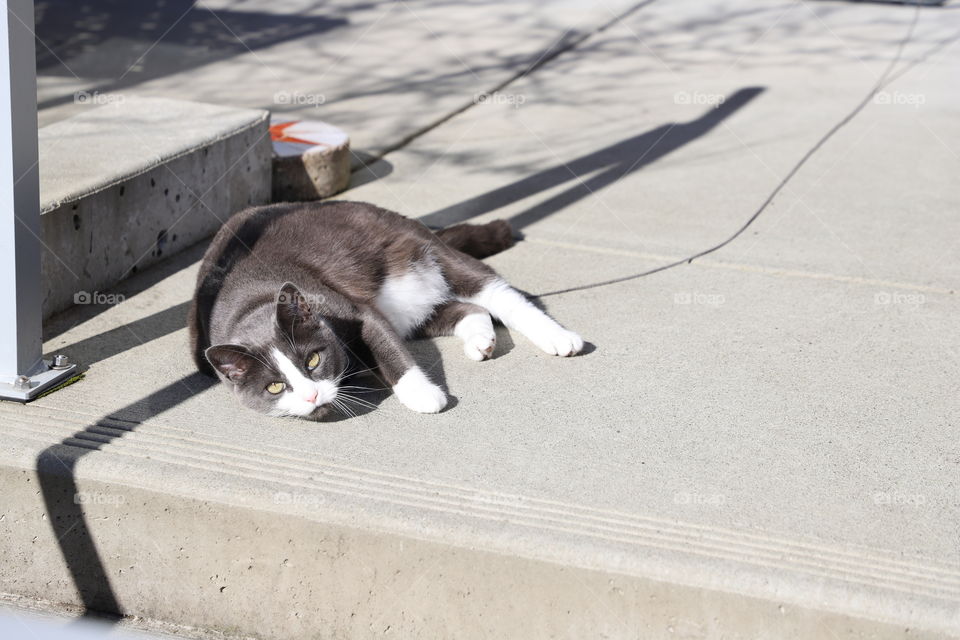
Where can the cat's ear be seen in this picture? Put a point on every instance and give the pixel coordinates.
(232, 360)
(292, 306)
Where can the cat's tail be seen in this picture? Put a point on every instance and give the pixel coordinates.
(479, 240)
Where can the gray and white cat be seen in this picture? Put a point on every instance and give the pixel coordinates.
(292, 298)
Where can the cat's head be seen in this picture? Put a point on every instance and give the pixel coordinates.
(295, 369)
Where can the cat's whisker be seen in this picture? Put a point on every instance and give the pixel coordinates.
(346, 396)
(362, 389)
(340, 376)
(361, 403)
(360, 371)
(344, 409)
(358, 401)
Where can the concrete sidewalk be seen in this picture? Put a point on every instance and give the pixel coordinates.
(382, 71)
(762, 443)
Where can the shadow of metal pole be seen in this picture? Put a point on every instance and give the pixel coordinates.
(56, 471)
(616, 161)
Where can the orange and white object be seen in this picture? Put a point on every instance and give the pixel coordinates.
(311, 159)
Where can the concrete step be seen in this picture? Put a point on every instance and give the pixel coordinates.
(257, 540)
(130, 182)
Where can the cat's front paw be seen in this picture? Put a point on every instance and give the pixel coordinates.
(415, 391)
(558, 341)
(479, 347)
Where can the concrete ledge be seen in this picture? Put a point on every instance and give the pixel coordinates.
(128, 183)
(169, 524)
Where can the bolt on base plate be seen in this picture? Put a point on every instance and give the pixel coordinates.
(26, 388)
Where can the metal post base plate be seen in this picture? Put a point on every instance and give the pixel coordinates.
(37, 384)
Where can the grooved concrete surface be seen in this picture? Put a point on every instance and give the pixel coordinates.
(760, 444)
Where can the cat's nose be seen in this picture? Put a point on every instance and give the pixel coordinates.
(311, 397)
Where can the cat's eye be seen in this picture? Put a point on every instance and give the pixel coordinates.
(276, 387)
(312, 361)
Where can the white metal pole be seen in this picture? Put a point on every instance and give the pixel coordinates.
(23, 372)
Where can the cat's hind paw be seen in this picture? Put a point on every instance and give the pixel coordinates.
(415, 391)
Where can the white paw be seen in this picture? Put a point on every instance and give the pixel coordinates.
(415, 391)
(558, 341)
(427, 398)
(479, 347)
(479, 338)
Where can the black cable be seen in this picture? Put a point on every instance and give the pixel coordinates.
(885, 79)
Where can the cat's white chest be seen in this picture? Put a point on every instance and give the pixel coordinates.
(408, 300)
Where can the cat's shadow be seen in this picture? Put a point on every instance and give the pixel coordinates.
(505, 343)
(364, 394)
(366, 391)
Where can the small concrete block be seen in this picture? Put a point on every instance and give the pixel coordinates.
(311, 160)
